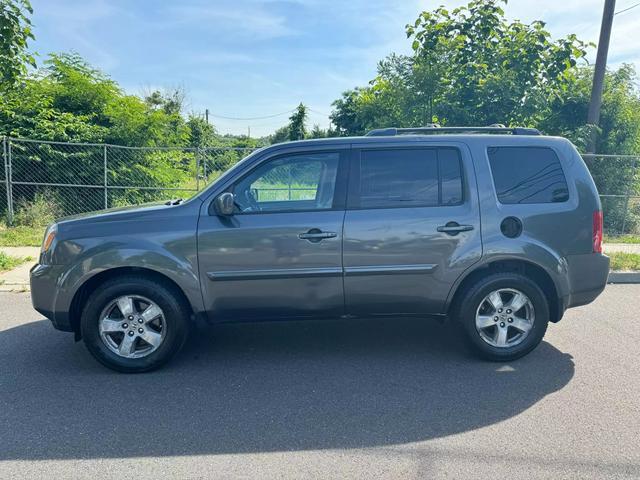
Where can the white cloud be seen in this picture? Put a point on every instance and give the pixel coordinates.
(73, 22)
(234, 19)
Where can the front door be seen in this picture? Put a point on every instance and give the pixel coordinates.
(412, 227)
(280, 254)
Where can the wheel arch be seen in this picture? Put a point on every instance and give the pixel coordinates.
(89, 286)
(518, 265)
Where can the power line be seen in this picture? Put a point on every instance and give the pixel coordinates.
(251, 118)
(244, 119)
(627, 9)
(316, 111)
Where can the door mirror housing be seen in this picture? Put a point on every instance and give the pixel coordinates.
(225, 204)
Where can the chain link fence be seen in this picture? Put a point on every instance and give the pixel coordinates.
(78, 177)
(81, 177)
(618, 182)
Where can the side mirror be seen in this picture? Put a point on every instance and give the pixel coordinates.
(225, 204)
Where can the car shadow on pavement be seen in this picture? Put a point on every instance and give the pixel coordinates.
(261, 388)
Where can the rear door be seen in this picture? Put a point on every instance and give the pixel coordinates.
(411, 228)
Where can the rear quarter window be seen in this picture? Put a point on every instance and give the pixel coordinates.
(527, 175)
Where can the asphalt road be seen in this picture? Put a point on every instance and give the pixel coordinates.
(370, 399)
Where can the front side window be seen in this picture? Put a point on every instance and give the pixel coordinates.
(293, 182)
(425, 177)
(527, 175)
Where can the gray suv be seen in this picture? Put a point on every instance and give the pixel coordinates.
(497, 228)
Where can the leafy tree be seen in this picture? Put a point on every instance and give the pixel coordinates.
(317, 132)
(15, 33)
(201, 133)
(69, 101)
(348, 115)
(620, 116)
(280, 135)
(170, 102)
(469, 66)
(619, 135)
(76, 87)
(297, 128)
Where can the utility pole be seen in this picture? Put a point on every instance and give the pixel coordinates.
(248, 131)
(206, 115)
(601, 66)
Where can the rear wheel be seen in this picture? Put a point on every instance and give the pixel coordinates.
(505, 316)
(133, 324)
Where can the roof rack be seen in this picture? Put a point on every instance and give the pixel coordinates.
(437, 129)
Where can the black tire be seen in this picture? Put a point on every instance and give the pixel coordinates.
(475, 294)
(176, 322)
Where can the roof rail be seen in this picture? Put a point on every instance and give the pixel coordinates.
(437, 129)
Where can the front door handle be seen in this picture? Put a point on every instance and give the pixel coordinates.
(454, 228)
(316, 235)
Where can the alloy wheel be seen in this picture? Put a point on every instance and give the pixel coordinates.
(132, 326)
(505, 318)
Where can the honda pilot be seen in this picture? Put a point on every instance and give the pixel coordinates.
(499, 229)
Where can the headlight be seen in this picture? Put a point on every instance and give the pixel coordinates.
(49, 237)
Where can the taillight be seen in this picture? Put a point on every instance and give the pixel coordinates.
(597, 232)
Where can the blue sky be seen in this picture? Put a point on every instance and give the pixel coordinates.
(255, 58)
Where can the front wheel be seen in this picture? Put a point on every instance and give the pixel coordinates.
(134, 324)
(505, 316)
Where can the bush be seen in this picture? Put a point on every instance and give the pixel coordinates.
(39, 212)
(625, 261)
(8, 262)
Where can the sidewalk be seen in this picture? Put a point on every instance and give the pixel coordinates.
(622, 247)
(18, 278)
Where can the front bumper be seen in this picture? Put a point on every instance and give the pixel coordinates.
(45, 288)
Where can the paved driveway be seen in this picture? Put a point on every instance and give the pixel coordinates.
(390, 398)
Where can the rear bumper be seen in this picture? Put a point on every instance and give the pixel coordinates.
(588, 276)
(45, 281)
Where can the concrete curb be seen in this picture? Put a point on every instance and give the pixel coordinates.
(624, 277)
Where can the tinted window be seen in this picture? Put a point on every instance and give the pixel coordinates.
(297, 182)
(410, 177)
(450, 176)
(527, 175)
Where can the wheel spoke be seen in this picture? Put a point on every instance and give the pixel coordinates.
(110, 326)
(145, 326)
(151, 313)
(501, 337)
(495, 300)
(521, 324)
(517, 302)
(484, 321)
(125, 305)
(517, 312)
(151, 337)
(127, 346)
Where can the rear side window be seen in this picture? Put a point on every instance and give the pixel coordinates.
(410, 177)
(527, 175)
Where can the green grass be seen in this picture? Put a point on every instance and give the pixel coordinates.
(8, 262)
(622, 239)
(625, 261)
(21, 236)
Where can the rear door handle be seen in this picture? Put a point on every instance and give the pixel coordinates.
(316, 235)
(454, 228)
